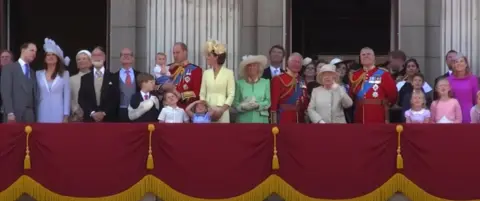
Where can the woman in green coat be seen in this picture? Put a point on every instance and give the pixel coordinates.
(252, 93)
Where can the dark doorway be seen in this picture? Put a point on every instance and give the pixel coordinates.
(73, 25)
(340, 27)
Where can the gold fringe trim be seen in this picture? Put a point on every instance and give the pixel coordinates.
(273, 184)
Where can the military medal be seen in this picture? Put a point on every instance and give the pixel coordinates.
(375, 87)
(185, 86)
(187, 79)
(375, 94)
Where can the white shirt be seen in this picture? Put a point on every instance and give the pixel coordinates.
(275, 71)
(157, 69)
(144, 94)
(173, 115)
(23, 65)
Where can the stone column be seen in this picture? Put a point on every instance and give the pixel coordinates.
(270, 24)
(433, 50)
(412, 29)
(460, 29)
(127, 30)
(249, 28)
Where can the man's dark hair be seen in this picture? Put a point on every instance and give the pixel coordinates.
(398, 54)
(143, 77)
(25, 45)
(182, 45)
(277, 47)
(449, 52)
(99, 48)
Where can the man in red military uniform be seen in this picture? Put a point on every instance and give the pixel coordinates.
(186, 77)
(289, 99)
(373, 90)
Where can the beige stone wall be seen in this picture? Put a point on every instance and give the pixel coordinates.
(128, 30)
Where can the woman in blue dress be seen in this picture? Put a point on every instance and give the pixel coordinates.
(53, 86)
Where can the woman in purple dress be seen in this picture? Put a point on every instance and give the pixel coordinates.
(464, 86)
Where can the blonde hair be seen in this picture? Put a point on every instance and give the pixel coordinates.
(467, 68)
(422, 96)
(443, 79)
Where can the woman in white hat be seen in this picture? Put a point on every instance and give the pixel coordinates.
(53, 85)
(252, 95)
(84, 64)
(328, 100)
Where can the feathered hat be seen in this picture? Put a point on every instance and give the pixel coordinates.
(214, 46)
(51, 47)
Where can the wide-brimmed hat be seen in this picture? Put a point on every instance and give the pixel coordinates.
(325, 68)
(51, 47)
(251, 59)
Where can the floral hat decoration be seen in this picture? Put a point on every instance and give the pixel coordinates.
(214, 46)
(51, 47)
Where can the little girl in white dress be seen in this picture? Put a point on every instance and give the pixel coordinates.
(418, 113)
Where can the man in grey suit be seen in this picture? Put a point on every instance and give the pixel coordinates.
(19, 87)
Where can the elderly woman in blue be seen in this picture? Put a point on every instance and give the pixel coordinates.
(53, 86)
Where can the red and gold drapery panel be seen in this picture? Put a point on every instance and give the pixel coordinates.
(190, 162)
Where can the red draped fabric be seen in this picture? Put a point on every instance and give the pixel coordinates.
(221, 161)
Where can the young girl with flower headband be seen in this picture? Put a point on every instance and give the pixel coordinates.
(475, 111)
(418, 113)
(446, 109)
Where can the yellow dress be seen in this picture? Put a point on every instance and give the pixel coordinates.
(218, 91)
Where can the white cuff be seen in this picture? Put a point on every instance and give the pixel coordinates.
(91, 113)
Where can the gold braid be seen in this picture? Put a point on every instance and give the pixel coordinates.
(292, 85)
(355, 83)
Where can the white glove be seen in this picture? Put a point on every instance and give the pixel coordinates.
(335, 86)
(321, 122)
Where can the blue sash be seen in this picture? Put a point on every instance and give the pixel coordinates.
(188, 72)
(292, 100)
(368, 85)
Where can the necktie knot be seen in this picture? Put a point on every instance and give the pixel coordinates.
(145, 97)
(99, 74)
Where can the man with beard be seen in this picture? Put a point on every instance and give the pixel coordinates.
(276, 54)
(372, 89)
(186, 77)
(98, 94)
(289, 96)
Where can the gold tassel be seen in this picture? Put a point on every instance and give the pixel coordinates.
(275, 163)
(399, 129)
(150, 164)
(26, 162)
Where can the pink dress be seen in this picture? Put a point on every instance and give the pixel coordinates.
(417, 116)
(446, 111)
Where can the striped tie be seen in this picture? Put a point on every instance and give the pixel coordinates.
(99, 74)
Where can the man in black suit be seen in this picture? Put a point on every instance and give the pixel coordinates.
(449, 60)
(98, 94)
(276, 55)
(126, 78)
